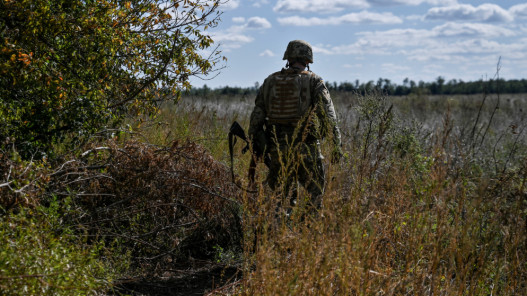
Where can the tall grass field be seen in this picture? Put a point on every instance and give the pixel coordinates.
(429, 199)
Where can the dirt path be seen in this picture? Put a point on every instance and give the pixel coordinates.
(182, 282)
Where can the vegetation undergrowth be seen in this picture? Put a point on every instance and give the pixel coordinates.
(143, 209)
(429, 205)
(406, 214)
(430, 199)
(39, 255)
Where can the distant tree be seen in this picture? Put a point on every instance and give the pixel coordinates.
(406, 82)
(346, 86)
(401, 90)
(72, 67)
(388, 87)
(440, 82)
(205, 91)
(379, 83)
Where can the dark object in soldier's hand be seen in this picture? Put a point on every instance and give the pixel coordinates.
(237, 130)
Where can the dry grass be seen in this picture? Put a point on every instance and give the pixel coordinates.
(417, 208)
(430, 199)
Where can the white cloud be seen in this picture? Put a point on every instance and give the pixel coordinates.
(332, 6)
(424, 46)
(260, 3)
(363, 46)
(267, 53)
(256, 22)
(519, 10)
(461, 51)
(231, 40)
(395, 38)
(414, 17)
(465, 12)
(318, 6)
(412, 2)
(237, 36)
(350, 66)
(471, 29)
(355, 18)
(441, 2)
(439, 43)
(394, 68)
(229, 4)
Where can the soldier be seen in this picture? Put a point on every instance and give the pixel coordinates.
(293, 112)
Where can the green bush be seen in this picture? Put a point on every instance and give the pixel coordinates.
(38, 256)
(71, 68)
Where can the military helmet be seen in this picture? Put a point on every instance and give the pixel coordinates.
(299, 49)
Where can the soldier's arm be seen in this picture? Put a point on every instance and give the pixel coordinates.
(328, 111)
(258, 114)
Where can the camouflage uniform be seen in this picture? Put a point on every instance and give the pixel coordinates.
(293, 111)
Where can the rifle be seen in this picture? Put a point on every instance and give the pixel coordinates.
(237, 130)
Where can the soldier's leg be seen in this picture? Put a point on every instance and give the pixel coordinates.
(274, 171)
(282, 180)
(311, 174)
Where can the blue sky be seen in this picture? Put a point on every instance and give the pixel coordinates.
(369, 39)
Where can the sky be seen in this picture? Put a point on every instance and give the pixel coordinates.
(369, 39)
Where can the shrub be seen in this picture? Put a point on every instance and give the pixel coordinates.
(160, 205)
(22, 182)
(40, 256)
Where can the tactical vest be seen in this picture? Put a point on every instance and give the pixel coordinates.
(289, 97)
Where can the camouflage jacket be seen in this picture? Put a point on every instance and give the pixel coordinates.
(311, 102)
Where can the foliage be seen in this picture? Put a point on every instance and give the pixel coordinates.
(39, 256)
(22, 182)
(70, 68)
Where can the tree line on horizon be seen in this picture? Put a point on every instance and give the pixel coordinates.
(438, 87)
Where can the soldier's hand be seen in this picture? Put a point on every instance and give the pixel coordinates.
(336, 155)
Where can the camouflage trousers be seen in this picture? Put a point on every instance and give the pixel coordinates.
(293, 164)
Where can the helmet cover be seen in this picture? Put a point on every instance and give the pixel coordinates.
(299, 49)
